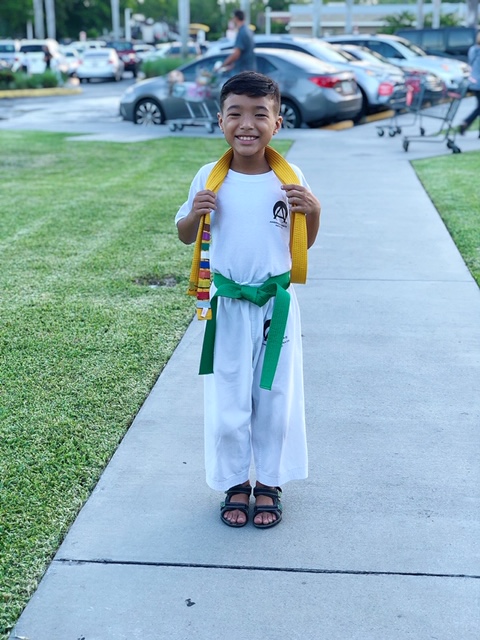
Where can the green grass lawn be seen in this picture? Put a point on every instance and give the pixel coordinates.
(453, 185)
(92, 288)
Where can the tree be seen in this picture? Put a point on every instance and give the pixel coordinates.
(14, 15)
(402, 20)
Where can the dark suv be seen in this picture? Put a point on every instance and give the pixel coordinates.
(127, 54)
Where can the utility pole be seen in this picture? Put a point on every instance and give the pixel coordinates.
(348, 16)
(38, 19)
(115, 4)
(246, 10)
(437, 10)
(51, 22)
(317, 22)
(420, 15)
(184, 24)
(472, 13)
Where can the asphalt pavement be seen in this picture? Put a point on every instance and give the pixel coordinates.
(382, 541)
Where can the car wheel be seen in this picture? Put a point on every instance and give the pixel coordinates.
(148, 112)
(290, 114)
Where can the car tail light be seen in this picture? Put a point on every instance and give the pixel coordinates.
(111, 61)
(385, 89)
(326, 82)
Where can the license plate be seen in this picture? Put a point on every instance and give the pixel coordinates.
(347, 86)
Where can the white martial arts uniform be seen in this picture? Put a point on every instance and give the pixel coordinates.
(250, 235)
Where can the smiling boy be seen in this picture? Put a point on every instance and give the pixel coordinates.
(250, 406)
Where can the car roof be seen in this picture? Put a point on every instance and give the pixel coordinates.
(299, 58)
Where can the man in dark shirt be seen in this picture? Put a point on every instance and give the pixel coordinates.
(242, 57)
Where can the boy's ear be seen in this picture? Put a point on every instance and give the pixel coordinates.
(278, 124)
(220, 120)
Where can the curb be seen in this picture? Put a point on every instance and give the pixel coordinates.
(36, 93)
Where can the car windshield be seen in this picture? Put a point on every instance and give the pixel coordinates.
(305, 61)
(368, 54)
(409, 50)
(31, 48)
(326, 52)
(121, 46)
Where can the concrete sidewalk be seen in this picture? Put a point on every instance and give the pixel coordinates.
(382, 541)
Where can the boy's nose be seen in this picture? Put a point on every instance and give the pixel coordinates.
(247, 122)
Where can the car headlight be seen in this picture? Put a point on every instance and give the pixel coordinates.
(129, 91)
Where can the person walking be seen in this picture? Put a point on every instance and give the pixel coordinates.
(242, 57)
(474, 62)
(252, 217)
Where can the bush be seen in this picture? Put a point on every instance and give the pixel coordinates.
(21, 80)
(49, 79)
(6, 78)
(162, 66)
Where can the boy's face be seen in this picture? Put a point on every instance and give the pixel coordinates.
(249, 123)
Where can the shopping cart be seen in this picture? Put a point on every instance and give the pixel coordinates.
(418, 96)
(399, 102)
(444, 112)
(198, 102)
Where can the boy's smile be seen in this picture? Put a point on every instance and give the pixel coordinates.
(248, 124)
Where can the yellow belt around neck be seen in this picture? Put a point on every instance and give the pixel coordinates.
(199, 283)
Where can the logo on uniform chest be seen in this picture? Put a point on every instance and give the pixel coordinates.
(280, 214)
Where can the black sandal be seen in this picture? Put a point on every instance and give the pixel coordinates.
(228, 505)
(275, 508)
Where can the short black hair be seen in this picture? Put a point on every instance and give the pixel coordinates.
(253, 84)
(239, 14)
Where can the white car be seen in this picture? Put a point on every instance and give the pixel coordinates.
(32, 56)
(83, 45)
(403, 53)
(142, 50)
(100, 64)
(8, 52)
(72, 59)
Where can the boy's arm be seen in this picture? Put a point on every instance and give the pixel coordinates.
(203, 202)
(302, 199)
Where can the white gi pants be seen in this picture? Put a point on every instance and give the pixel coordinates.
(240, 417)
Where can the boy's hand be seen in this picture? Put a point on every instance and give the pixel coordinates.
(301, 199)
(203, 202)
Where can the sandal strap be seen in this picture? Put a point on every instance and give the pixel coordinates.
(270, 493)
(239, 489)
(232, 506)
(275, 509)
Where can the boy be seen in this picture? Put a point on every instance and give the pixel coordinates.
(250, 220)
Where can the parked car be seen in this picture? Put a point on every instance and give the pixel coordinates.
(100, 64)
(127, 55)
(451, 42)
(142, 50)
(32, 56)
(312, 92)
(434, 88)
(72, 59)
(173, 50)
(405, 54)
(83, 45)
(8, 52)
(377, 83)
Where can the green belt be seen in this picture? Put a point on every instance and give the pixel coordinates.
(273, 288)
